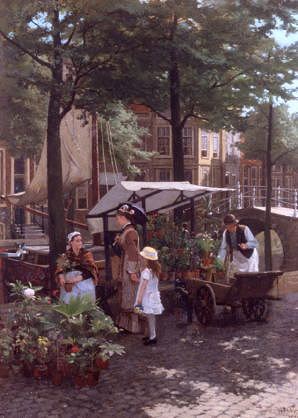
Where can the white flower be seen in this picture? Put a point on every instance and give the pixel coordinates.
(29, 293)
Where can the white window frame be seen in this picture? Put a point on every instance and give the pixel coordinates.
(191, 171)
(185, 136)
(216, 148)
(204, 149)
(86, 189)
(158, 172)
(203, 171)
(163, 137)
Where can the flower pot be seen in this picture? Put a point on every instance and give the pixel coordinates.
(101, 363)
(92, 378)
(27, 369)
(150, 235)
(80, 381)
(188, 274)
(4, 370)
(164, 275)
(40, 371)
(57, 377)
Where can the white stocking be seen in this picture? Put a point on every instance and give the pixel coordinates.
(151, 323)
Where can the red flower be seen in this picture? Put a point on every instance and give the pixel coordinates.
(75, 349)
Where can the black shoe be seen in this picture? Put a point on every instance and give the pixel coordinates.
(150, 342)
(145, 338)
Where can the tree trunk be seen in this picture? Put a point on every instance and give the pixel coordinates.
(177, 142)
(267, 231)
(174, 80)
(57, 239)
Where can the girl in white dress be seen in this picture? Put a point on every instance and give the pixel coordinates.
(148, 297)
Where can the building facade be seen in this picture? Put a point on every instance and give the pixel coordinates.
(205, 152)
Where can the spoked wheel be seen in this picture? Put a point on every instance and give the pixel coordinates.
(204, 305)
(255, 309)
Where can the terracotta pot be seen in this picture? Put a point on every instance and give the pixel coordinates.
(40, 371)
(80, 381)
(92, 377)
(57, 378)
(101, 363)
(188, 274)
(150, 235)
(4, 370)
(197, 274)
(27, 369)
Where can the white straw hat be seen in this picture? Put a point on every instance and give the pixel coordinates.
(149, 253)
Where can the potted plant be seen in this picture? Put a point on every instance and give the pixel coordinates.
(65, 339)
(6, 351)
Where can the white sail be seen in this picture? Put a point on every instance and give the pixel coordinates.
(76, 161)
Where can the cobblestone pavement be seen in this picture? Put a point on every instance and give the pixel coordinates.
(227, 370)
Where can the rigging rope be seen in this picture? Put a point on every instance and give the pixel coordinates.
(103, 155)
(113, 152)
(111, 155)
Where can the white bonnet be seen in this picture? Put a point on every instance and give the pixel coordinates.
(71, 235)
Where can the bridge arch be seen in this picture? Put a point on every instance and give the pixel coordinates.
(285, 227)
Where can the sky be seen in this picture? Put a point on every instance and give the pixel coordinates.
(285, 40)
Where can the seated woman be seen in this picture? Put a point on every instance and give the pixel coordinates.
(76, 271)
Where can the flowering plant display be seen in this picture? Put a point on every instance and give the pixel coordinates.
(40, 337)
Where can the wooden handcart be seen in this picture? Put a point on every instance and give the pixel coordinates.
(249, 291)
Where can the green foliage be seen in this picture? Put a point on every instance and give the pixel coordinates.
(37, 333)
(285, 130)
(126, 137)
(22, 106)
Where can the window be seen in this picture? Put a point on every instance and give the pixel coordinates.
(2, 231)
(144, 143)
(187, 141)
(188, 175)
(163, 140)
(164, 174)
(19, 166)
(216, 176)
(19, 185)
(204, 176)
(227, 179)
(82, 196)
(204, 144)
(143, 115)
(254, 178)
(2, 171)
(215, 145)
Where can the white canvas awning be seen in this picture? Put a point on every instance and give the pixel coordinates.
(153, 196)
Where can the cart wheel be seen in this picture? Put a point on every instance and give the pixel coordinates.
(255, 309)
(204, 305)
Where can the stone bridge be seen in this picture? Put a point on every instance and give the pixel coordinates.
(283, 223)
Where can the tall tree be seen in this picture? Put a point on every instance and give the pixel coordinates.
(22, 106)
(68, 39)
(278, 65)
(198, 60)
(271, 135)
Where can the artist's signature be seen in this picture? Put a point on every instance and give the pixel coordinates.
(290, 412)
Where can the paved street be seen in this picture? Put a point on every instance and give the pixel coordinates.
(228, 370)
